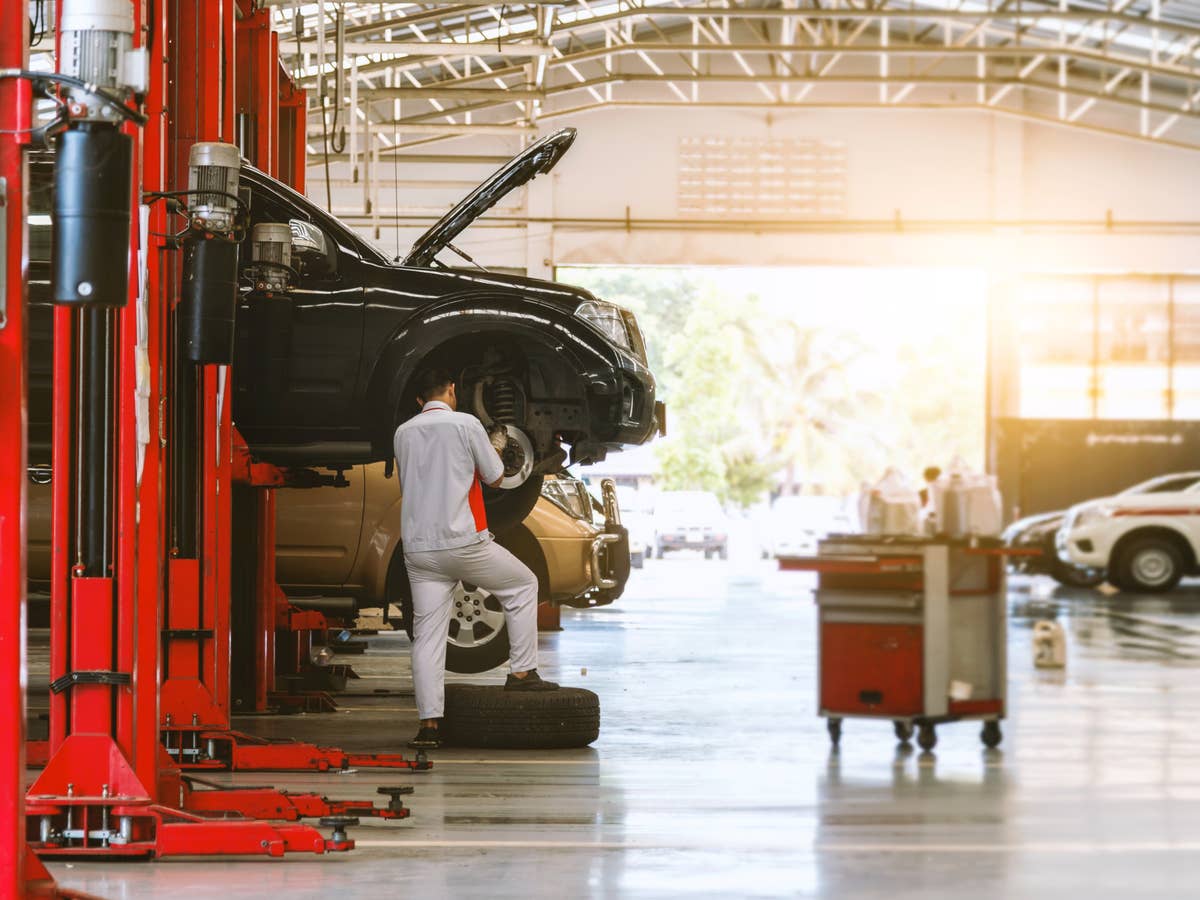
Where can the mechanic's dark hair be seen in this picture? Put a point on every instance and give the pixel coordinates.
(431, 382)
(933, 473)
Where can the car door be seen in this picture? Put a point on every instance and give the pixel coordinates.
(317, 533)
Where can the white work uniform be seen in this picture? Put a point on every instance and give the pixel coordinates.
(441, 455)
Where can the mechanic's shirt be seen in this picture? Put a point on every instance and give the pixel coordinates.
(441, 455)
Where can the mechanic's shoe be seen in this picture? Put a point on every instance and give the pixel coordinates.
(531, 682)
(427, 739)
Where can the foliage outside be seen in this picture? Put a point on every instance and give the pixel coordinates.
(772, 390)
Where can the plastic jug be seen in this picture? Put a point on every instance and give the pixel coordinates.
(894, 506)
(1049, 645)
(967, 503)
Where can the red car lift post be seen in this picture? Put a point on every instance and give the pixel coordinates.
(21, 873)
(105, 791)
(194, 704)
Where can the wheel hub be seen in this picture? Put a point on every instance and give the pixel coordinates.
(476, 617)
(1153, 566)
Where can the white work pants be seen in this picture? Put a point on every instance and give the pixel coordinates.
(433, 575)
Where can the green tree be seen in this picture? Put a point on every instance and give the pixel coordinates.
(811, 407)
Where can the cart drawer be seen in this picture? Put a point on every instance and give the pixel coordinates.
(871, 669)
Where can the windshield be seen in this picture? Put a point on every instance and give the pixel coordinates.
(1165, 484)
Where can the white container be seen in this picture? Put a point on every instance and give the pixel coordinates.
(893, 506)
(1049, 645)
(967, 503)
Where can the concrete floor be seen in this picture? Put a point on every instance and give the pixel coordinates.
(713, 776)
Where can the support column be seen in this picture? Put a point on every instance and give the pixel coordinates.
(15, 111)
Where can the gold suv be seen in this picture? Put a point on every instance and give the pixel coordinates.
(345, 542)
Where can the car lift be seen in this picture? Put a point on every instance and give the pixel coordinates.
(109, 788)
(21, 873)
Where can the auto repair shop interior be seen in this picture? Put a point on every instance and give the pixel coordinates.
(843, 364)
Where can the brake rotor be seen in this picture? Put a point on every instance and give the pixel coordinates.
(517, 457)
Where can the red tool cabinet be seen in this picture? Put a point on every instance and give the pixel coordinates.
(913, 631)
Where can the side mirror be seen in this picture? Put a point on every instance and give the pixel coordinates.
(312, 248)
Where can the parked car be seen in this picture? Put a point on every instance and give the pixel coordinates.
(1039, 532)
(638, 518)
(346, 542)
(1146, 537)
(690, 520)
(796, 523)
(323, 372)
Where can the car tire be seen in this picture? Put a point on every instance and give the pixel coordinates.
(1073, 576)
(1151, 565)
(508, 508)
(723, 551)
(489, 716)
(637, 559)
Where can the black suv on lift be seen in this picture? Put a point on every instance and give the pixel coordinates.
(323, 374)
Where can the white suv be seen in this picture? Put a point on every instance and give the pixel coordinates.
(1146, 537)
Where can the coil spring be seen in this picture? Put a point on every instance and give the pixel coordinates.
(503, 405)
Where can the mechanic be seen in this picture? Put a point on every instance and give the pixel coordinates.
(442, 456)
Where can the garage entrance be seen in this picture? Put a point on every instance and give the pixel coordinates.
(811, 379)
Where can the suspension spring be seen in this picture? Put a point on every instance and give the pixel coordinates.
(503, 405)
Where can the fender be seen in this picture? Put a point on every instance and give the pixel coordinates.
(1151, 529)
(423, 332)
(380, 541)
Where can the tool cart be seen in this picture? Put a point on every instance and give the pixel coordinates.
(913, 630)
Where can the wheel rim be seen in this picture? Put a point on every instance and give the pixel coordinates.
(1153, 566)
(476, 617)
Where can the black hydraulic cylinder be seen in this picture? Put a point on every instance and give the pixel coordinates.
(94, 449)
(208, 298)
(93, 183)
(185, 449)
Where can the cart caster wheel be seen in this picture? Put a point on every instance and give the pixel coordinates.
(904, 731)
(835, 731)
(926, 737)
(991, 735)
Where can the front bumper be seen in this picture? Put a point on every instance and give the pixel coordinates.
(1083, 545)
(610, 564)
(622, 411)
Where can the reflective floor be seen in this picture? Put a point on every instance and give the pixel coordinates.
(713, 776)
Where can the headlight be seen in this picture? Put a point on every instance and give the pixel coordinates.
(1090, 514)
(608, 318)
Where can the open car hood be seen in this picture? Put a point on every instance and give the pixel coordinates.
(536, 159)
